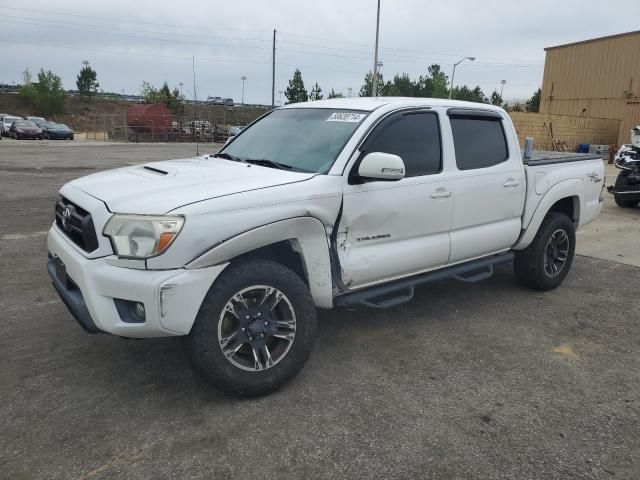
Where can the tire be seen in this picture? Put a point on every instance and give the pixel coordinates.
(236, 373)
(532, 266)
(625, 203)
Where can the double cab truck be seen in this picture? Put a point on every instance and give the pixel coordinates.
(325, 204)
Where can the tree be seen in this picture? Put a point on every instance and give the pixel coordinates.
(148, 92)
(515, 107)
(533, 104)
(434, 85)
(296, 92)
(334, 94)
(496, 99)
(401, 86)
(465, 93)
(367, 87)
(316, 93)
(171, 99)
(87, 82)
(46, 96)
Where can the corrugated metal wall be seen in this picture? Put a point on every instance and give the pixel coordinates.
(599, 78)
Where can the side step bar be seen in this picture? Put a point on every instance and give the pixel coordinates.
(401, 291)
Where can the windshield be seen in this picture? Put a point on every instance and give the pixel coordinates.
(10, 120)
(305, 139)
(25, 124)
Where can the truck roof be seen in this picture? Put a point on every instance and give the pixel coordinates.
(372, 103)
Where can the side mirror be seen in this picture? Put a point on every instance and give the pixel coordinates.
(381, 166)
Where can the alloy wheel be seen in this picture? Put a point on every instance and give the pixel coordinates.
(257, 328)
(556, 253)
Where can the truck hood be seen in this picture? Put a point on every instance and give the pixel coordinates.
(159, 187)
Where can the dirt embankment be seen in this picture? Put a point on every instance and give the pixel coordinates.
(83, 115)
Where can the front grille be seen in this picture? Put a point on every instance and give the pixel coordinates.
(78, 225)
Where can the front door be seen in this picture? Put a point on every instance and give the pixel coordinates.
(391, 229)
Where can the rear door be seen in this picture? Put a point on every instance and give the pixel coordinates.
(489, 185)
(391, 229)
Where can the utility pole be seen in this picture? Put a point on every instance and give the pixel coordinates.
(503, 82)
(181, 84)
(273, 72)
(374, 90)
(244, 79)
(195, 106)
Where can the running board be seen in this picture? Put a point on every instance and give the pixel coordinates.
(401, 291)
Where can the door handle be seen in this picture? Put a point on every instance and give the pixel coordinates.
(512, 183)
(441, 194)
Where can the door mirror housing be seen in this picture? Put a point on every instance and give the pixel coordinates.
(381, 166)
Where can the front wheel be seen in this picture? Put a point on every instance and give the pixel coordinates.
(545, 263)
(255, 329)
(625, 203)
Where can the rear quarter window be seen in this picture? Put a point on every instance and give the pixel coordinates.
(479, 142)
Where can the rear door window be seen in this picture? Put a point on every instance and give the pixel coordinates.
(479, 142)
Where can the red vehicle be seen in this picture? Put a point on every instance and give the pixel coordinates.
(21, 129)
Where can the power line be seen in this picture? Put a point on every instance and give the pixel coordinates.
(120, 19)
(141, 37)
(46, 21)
(134, 54)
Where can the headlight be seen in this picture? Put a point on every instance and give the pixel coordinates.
(142, 236)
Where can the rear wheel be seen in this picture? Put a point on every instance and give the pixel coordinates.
(254, 330)
(625, 203)
(545, 263)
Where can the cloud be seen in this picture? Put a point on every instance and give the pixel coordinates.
(330, 41)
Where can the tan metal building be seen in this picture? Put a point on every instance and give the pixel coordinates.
(598, 78)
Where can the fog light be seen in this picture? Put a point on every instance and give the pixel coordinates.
(139, 310)
(130, 311)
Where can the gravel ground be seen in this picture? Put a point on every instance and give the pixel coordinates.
(487, 380)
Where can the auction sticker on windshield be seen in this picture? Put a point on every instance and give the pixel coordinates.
(346, 117)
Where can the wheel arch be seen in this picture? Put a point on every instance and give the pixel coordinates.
(300, 244)
(564, 197)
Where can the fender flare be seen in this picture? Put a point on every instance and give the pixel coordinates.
(309, 238)
(567, 188)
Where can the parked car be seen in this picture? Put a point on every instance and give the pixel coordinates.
(332, 203)
(235, 130)
(229, 102)
(23, 129)
(56, 131)
(36, 119)
(2, 115)
(7, 121)
(200, 126)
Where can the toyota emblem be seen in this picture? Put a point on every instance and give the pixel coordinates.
(66, 218)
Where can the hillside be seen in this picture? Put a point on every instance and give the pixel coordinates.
(83, 115)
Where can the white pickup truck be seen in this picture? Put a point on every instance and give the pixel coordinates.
(322, 204)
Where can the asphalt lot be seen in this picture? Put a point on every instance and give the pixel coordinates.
(467, 381)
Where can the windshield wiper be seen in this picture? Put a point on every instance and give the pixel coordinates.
(268, 163)
(227, 156)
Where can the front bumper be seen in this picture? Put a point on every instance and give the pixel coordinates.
(171, 298)
(60, 136)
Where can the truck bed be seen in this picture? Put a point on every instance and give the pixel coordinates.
(542, 157)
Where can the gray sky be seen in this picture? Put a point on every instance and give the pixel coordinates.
(330, 41)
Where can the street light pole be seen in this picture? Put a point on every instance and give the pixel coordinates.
(244, 79)
(453, 75)
(374, 90)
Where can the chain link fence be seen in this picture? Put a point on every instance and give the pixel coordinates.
(208, 126)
